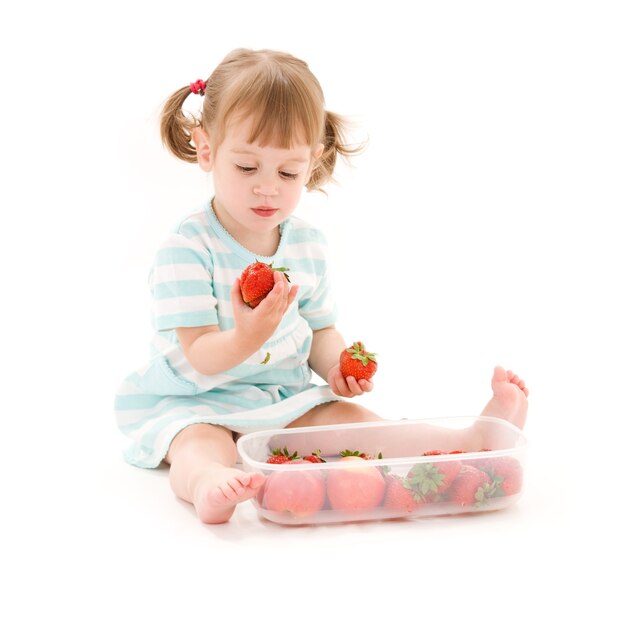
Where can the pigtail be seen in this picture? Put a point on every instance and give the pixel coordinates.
(176, 126)
(334, 144)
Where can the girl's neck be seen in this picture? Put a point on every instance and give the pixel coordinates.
(264, 244)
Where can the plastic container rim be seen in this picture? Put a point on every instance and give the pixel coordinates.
(383, 461)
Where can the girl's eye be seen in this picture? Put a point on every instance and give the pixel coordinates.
(245, 169)
(288, 175)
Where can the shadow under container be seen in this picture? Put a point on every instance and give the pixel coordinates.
(473, 464)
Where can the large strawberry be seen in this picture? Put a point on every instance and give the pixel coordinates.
(399, 496)
(431, 479)
(356, 361)
(257, 281)
(471, 487)
(506, 473)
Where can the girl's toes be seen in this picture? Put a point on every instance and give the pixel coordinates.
(256, 480)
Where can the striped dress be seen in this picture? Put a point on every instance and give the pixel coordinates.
(190, 283)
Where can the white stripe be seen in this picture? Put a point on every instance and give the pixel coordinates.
(305, 250)
(183, 305)
(179, 272)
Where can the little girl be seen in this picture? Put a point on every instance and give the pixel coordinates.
(265, 135)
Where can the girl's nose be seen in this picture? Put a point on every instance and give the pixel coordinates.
(266, 189)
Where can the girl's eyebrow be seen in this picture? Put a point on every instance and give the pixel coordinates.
(252, 153)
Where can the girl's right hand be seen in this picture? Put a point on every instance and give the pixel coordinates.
(257, 325)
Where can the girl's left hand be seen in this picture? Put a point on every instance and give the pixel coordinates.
(347, 387)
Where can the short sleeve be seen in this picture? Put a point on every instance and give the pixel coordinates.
(316, 304)
(181, 284)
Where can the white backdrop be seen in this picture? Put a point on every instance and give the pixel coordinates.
(481, 226)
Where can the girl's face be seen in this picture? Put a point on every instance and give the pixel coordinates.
(256, 188)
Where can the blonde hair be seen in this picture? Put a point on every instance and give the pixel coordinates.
(274, 88)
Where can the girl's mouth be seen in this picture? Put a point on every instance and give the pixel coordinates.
(264, 212)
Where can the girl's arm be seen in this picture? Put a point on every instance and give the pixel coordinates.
(210, 350)
(324, 361)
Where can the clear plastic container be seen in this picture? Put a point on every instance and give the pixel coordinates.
(472, 464)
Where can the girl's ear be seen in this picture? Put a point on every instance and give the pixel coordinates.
(203, 149)
(315, 156)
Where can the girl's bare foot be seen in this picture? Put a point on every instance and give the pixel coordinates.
(509, 398)
(219, 490)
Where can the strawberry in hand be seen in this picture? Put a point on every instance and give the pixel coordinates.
(257, 281)
(259, 305)
(352, 375)
(357, 362)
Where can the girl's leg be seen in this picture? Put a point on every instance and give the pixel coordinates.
(509, 397)
(201, 459)
(334, 412)
(509, 402)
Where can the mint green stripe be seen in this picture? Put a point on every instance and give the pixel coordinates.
(189, 320)
(231, 261)
(270, 376)
(162, 422)
(308, 265)
(221, 291)
(322, 322)
(174, 289)
(298, 235)
(175, 255)
(191, 229)
(136, 402)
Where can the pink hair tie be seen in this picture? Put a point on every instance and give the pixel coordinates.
(197, 87)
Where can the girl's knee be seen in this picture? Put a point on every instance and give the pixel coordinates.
(333, 413)
(347, 412)
(201, 437)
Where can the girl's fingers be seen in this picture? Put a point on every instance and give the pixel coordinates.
(235, 295)
(293, 292)
(366, 385)
(342, 387)
(354, 386)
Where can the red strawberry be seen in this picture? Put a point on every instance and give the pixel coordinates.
(357, 362)
(257, 281)
(350, 452)
(399, 496)
(280, 456)
(439, 452)
(506, 473)
(429, 479)
(480, 463)
(471, 487)
(315, 456)
(277, 459)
